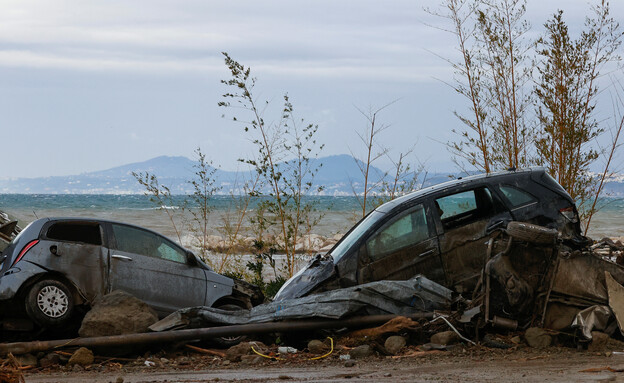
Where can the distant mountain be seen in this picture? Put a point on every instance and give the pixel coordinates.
(336, 173)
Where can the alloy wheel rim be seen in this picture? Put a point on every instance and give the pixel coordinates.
(52, 301)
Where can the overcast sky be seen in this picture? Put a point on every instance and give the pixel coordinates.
(89, 85)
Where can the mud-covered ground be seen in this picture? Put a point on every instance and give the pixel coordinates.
(466, 364)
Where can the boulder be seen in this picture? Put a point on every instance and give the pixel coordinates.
(394, 344)
(82, 357)
(117, 313)
(537, 337)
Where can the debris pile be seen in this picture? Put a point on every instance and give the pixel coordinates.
(11, 370)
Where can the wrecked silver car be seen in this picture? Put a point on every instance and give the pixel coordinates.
(444, 232)
(56, 265)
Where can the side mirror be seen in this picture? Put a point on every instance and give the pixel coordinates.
(191, 259)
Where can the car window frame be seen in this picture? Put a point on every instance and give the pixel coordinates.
(43, 234)
(496, 201)
(400, 214)
(509, 203)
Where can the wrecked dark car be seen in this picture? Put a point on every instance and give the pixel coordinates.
(446, 232)
(57, 265)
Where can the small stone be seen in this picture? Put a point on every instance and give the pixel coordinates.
(119, 379)
(27, 360)
(317, 347)
(537, 337)
(83, 357)
(234, 353)
(77, 368)
(349, 363)
(284, 377)
(445, 338)
(50, 359)
(394, 344)
(251, 359)
(599, 341)
(361, 352)
(225, 363)
(516, 340)
(387, 374)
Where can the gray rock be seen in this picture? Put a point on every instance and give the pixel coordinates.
(82, 357)
(537, 337)
(117, 313)
(27, 360)
(445, 338)
(394, 344)
(349, 363)
(317, 347)
(361, 352)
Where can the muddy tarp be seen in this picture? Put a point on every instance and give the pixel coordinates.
(383, 297)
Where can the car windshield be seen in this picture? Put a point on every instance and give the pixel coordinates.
(355, 234)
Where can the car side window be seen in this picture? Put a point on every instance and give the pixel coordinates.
(403, 231)
(89, 233)
(465, 207)
(516, 196)
(133, 240)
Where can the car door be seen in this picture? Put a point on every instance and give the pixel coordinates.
(155, 270)
(75, 249)
(464, 219)
(401, 248)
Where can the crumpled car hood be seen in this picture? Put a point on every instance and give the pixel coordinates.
(320, 269)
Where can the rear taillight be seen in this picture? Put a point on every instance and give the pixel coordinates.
(568, 212)
(25, 250)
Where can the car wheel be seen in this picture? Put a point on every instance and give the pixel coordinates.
(49, 303)
(531, 233)
(229, 341)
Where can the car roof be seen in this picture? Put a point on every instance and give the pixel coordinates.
(460, 181)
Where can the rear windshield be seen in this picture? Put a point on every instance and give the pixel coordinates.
(76, 232)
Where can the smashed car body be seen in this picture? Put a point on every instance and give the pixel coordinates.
(443, 232)
(57, 264)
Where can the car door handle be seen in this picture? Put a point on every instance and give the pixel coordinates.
(427, 253)
(122, 257)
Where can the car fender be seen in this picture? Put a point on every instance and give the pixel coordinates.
(217, 286)
(14, 279)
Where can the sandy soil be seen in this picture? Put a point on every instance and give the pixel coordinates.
(464, 364)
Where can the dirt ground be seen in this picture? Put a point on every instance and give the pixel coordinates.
(466, 364)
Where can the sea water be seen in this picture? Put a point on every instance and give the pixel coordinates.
(337, 214)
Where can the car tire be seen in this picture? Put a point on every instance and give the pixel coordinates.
(529, 232)
(229, 341)
(50, 303)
